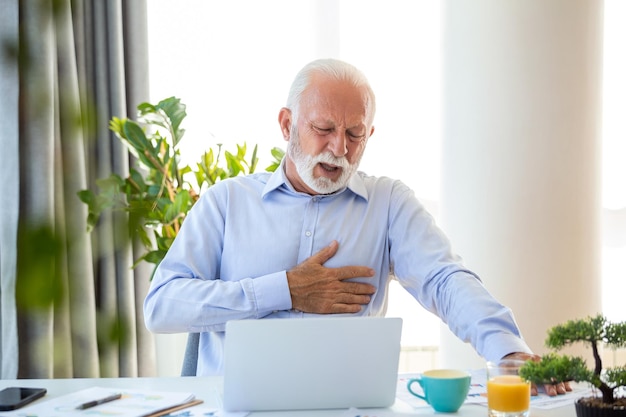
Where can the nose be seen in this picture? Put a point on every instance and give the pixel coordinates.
(338, 144)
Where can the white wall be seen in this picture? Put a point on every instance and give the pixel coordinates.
(522, 140)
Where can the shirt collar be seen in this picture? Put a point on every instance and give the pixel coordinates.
(278, 179)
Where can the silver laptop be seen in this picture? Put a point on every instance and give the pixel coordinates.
(312, 363)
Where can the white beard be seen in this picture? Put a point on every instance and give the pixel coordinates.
(305, 164)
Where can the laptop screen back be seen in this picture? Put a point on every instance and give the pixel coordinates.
(312, 363)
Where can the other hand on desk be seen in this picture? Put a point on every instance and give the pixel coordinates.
(550, 389)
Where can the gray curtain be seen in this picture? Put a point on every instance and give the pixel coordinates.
(70, 301)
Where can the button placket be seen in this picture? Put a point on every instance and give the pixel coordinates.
(308, 228)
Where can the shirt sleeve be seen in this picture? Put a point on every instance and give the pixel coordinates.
(426, 267)
(188, 295)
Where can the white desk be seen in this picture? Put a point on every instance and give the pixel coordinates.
(205, 388)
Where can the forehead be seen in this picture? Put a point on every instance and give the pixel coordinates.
(336, 101)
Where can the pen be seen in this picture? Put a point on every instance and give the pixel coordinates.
(94, 403)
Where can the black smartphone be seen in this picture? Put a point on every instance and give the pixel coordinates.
(12, 398)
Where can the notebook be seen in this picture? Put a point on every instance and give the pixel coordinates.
(311, 363)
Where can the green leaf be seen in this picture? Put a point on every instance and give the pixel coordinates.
(154, 190)
(40, 249)
(154, 257)
(179, 207)
(94, 209)
(616, 376)
(116, 125)
(86, 196)
(136, 137)
(615, 334)
(176, 113)
(278, 154)
(164, 243)
(143, 236)
(254, 160)
(241, 151)
(137, 181)
(234, 164)
(146, 108)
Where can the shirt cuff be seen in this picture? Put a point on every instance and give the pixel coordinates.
(502, 344)
(272, 293)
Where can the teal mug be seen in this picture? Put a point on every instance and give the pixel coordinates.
(444, 389)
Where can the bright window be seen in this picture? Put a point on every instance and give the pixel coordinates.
(613, 161)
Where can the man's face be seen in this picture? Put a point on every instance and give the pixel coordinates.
(327, 141)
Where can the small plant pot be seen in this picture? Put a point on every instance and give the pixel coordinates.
(588, 407)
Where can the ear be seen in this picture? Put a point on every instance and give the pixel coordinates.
(284, 119)
(371, 131)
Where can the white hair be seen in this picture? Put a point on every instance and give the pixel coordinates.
(334, 68)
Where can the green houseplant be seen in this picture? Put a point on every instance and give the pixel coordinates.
(160, 192)
(596, 332)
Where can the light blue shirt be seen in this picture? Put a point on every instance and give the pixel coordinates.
(230, 258)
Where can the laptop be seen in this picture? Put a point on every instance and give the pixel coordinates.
(311, 363)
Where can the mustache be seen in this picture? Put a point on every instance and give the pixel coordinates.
(329, 158)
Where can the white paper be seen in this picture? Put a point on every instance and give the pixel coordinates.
(134, 403)
(204, 411)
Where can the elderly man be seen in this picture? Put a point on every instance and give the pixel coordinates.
(318, 237)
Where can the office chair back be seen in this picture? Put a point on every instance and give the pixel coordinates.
(190, 360)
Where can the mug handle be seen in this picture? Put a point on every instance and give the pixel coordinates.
(408, 386)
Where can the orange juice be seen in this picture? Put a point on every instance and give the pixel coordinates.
(508, 393)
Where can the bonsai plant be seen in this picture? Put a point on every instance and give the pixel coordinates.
(595, 332)
(158, 195)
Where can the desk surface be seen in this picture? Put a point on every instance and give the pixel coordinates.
(205, 388)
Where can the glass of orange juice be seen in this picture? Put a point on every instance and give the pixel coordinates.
(508, 395)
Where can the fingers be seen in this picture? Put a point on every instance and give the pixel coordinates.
(550, 390)
(325, 253)
(320, 299)
(348, 272)
(342, 273)
(533, 390)
(351, 307)
(557, 389)
(352, 297)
